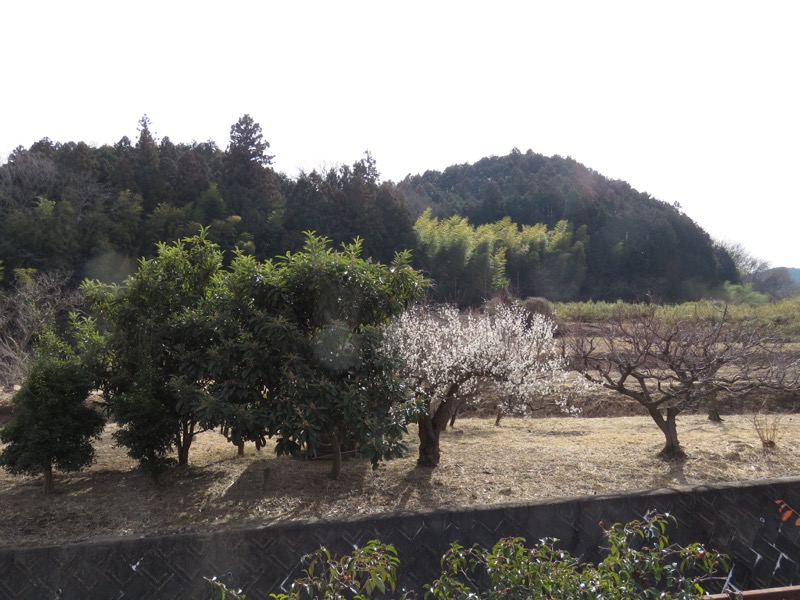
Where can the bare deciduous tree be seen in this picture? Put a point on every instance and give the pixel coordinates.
(670, 365)
(34, 302)
(448, 354)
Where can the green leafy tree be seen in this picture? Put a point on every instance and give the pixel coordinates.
(245, 164)
(250, 187)
(54, 425)
(192, 177)
(155, 395)
(240, 338)
(298, 351)
(465, 265)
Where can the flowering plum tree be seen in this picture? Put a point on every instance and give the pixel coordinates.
(449, 353)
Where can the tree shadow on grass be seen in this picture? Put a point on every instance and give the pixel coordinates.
(675, 470)
(417, 482)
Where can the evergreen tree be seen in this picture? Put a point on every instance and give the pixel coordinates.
(54, 425)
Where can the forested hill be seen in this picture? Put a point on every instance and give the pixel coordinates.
(634, 244)
(524, 222)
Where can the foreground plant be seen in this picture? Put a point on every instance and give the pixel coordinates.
(358, 575)
(640, 564)
(768, 428)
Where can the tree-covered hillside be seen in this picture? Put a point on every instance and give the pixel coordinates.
(634, 244)
(528, 223)
(88, 210)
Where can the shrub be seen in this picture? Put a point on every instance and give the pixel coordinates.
(640, 563)
(54, 425)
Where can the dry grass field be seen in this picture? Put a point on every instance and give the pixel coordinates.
(521, 460)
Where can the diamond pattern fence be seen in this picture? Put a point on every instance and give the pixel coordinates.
(739, 519)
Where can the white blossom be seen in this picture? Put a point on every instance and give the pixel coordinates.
(449, 353)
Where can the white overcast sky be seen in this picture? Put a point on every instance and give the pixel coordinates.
(696, 102)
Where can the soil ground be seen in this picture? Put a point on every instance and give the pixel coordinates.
(610, 448)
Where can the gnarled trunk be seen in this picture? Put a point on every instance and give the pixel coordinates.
(429, 434)
(459, 404)
(431, 427)
(713, 408)
(668, 426)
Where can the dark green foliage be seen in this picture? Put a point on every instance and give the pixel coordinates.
(295, 351)
(633, 243)
(346, 203)
(54, 425)
(150, 182)
(67, 203)
(289, 348)
(154, 394)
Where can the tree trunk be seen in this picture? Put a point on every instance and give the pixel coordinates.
(667, 424)
(431, 427)
(183, 453)
(184, 442)
(499, 416)
(240, 448)
(713, 408)
(429, 452)
(459, 404)
(336, 448)
(48, 478)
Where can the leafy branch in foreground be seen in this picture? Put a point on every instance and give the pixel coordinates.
(640, 563)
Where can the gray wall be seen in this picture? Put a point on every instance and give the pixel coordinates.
(740, 519)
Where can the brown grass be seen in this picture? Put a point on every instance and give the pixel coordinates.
(481, 465)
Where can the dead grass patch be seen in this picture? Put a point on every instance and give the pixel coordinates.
(522, 460)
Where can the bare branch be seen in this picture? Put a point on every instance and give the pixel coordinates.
(669, 366)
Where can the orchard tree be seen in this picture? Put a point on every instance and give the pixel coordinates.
(670, 365)
(341, 386)
(448, 354)
(54, 426)
(292, 349)
(154, 393)
(297, 354)
(238, 340)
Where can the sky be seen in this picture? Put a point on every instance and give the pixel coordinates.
(695, 102)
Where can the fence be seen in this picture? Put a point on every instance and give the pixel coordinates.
(739, 519)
